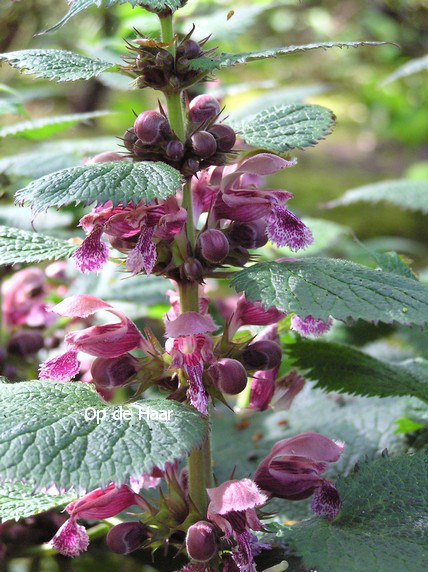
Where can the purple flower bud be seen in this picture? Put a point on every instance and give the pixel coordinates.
(3, 355)
(201, 541)
(190, 49)
(202, 108)
(152, 127)
(25, 342)
(129, 139)
(193, 270)
(250, 234)
(203, 144)
(109, 373)
(10, 371)
(164, 59)
(190, 167)
(224, 135)
(175, 150)
(126, 537)
(262, 355)
(213, 245)
(229, 375)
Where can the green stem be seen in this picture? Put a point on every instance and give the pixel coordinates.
(199, 461)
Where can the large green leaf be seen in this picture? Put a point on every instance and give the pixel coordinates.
(77, 6)
(225, 60)
(18, 500)
(46, 438)
(55, 64)
(118, 181)
(46, 126)
(381, 526)
(336, 367)
(286, 127)
(406, 194)
(18, 245)
(53, 156)
(413, 66)
(323, 287)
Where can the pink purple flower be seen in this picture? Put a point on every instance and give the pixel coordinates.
(310, 326)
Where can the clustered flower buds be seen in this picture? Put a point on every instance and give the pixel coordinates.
(150, 62)
(207, 142)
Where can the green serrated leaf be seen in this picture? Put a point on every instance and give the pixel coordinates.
(381, 526)
(45, 436)
(77, 6)
(55, 64)
(224, 60)
(18, 500)
(118, 181)
(336, 367)
(323, 287)
(413, 66)
(46, 126)
(54, 156)
(406, 194)
(392, 262)
(285, 127)
(17, 246)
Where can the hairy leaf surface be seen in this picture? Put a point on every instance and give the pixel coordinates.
(17, 246)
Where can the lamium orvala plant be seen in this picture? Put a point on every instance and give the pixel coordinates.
(121, 417)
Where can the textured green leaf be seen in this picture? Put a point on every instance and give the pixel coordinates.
(46, 126)
(323, 287)
(406, 194)
(366, 425)
(18, 500)
(118, 181)
(392, 262)
(55, 64)
(77, 6)
(413, 66)
(382, 523)
(54, 156)
(45, 438)
(18, 245)
(336, 367)
(286, 127)
(225, 60)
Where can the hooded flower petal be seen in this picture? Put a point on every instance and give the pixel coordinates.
(93, 252)
(310, 445)
(262, 388)
(60, 368)
(188, 324)
(235, 496)
(80, 306)
(252, 314)
(71, 539)
(310, 326)
(286, 229)
(103, 503)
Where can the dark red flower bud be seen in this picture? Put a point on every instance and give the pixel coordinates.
(152, 127)
(190, 167)
(193, 270)
(203, 107)
(129, 138)
(201, 543)
(229, 375)
(224, 135)
(3, 355)
(190, 49)
(262, 355)
(175, 150)
(213, 246)
(126, 537)
(182, 65)
(238, 256)
(164, 59)
(249, 235)
(203, 144)
(109, 373)
(25, 342)
(10, 372)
